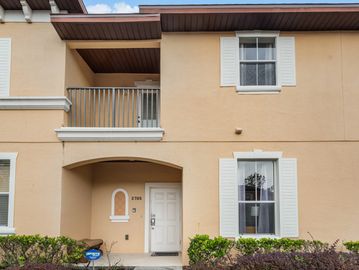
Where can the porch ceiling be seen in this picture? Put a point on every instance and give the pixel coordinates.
(72, 6)
(107, 26)
(129, 60)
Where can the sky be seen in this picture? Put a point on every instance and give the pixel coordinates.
(131, 6)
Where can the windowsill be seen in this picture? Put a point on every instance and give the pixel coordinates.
(258, 236)
(257, 90)
(119, 218)
(7, 230)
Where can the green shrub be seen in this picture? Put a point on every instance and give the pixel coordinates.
(207, 251)
(250, 246)
(352, 246)
(221, 253)
(19, 250)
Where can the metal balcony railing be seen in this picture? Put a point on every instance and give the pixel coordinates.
(114, 107)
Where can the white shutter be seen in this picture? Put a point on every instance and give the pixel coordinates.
(228, 193)
(5, 58)
(229, 61)
(286, 59)
(288, 203)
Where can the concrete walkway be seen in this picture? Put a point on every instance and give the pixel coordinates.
(143, 261)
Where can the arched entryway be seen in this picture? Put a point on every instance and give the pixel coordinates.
(135, 202)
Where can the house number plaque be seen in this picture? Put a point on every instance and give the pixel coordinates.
(136, 198)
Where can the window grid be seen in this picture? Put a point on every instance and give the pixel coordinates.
(256, 201)
(258, 61)
(5, 181)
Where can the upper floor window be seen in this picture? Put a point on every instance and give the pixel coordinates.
(7, 190)
(258, 61)
(257, 57)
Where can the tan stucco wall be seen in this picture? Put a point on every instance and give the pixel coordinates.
(76, 195)
(190, 75)
(327, 185)
(132, 177)
(78, 73)
(313, 122)
(37, 59)
(316, 122)
(122, 79)
(37, 187)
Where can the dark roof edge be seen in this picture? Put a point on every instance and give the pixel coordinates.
(111, 17)
(83, 6)
(260, 8)
(258, 4)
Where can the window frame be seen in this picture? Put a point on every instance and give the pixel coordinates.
(258, 88)
(117, 218)
(9, 229)
(259, 155)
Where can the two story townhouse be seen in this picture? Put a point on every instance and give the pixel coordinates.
(149, 128)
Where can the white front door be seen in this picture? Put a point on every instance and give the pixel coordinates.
(165, 219)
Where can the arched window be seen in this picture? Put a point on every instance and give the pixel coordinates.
(119, 206)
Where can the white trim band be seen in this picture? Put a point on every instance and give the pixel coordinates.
(120, 218)
(7, 230)
(109, 134)
(35, 103)
(257, 154)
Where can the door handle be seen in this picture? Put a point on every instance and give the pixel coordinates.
(153, 220)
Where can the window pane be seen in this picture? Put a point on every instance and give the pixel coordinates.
(247, 219)
(120, 204)
(266, 48)
(265, 181)
(256, 218)
(246, 187)
(266, 74)
(248, 48)
(265, 218)
(4, 175)
(248, 74)
(4, 209)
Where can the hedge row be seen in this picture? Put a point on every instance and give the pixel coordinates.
(20, 250)
(244, 253)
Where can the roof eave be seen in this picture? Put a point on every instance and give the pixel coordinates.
(104, 18)
(248, 8)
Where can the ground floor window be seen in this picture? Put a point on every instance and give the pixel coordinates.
(119, 206)
(7, 190)
(256, 196)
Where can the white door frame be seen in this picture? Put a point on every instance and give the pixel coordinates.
(148, 187)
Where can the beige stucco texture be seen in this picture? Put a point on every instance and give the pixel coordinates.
(87, 193)
(66, 187)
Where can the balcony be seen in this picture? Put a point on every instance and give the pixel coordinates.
(112, 114)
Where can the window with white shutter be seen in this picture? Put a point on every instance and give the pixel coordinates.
(7, 190)
(5, 59)
(258, 195)
(255, 62)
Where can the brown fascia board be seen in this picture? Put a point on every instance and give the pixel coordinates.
(104, 18)
(248, 8)
(83, 7)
